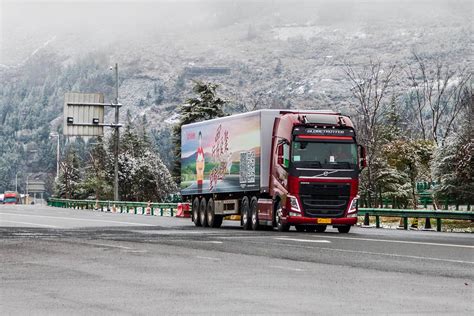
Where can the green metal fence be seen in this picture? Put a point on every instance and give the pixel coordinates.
(405, 214)
(143, 208)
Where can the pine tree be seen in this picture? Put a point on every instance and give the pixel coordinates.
(67, 184)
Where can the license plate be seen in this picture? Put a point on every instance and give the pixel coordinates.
(324, 221)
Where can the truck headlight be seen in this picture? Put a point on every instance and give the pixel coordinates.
(294, 206)
(353, 207)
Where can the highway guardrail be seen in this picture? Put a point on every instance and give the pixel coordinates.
(405, 214)
(143, 208)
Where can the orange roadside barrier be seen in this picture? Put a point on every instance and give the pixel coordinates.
(183, 210)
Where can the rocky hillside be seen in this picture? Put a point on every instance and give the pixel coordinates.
(264, 54)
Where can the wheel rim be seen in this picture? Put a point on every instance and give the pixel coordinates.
(254, 217)
(278, 216)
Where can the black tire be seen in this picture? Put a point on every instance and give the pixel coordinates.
(245, 214)
(254, 214)
(210, 215)
(320, 228)
(278, 221)
(218, 221)
(300, 228)
(213, 220)
(344, 229)
(310, 228)
(196, 218)
(202, 212)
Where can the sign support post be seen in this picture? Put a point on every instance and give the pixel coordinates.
(116, 149)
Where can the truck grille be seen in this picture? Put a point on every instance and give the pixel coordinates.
(324, 199)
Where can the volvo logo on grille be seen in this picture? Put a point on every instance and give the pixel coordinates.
(325, 173)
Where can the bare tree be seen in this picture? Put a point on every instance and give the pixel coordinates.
(370, 87)
(438, 93)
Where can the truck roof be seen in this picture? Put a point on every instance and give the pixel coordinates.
(322, 113)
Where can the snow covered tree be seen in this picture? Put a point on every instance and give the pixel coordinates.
(68, 182)
(370, 86)
(96, 181)
(203, 107)
(453, 164)
(437, 93)
(142, 174)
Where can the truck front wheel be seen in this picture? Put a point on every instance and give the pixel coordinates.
(281, 227)
(245, 213)
(196, 217)
(202, 212)
(344, 229)
(254, 211)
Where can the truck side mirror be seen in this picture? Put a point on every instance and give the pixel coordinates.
(363, 157)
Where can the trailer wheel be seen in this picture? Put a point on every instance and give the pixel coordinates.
(254, 211)
(320, 228)
(245, 213)
(300, 228)
(211, 216)
(196, 219)
(344, 229)
(202, 212)
(278, 219)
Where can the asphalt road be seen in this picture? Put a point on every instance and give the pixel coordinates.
(62, 261)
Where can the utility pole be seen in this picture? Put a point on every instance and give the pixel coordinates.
(116, 140)
(57, 153)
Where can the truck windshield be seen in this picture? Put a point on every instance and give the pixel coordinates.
(324, 155)
(9, 200)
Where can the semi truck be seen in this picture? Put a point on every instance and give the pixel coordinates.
(274, 168)
(11, 197)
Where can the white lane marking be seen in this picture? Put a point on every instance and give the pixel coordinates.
(368, 253)
(126, 249)
(398, 256)
(110, 246)
(398, 241)
(33, 224)
(304, 240)
(203, 241)
(79, 219)
(286, 268)
(246, 237)
(208, 258)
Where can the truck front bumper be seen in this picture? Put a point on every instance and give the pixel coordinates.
(300, 220)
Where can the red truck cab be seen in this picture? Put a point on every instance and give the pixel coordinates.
(315, 171)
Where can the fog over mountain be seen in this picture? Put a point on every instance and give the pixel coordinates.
(263, 53)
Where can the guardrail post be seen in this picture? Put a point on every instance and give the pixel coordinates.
(468, 206)
(171, 211)
(405, 223)
(161, 211)
(377, 221)
(366, 219)
(427, 223)
(152, 212)
(438, 224)
(135, 210)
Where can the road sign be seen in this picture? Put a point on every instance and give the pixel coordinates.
(84, 114)
(36, 186)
